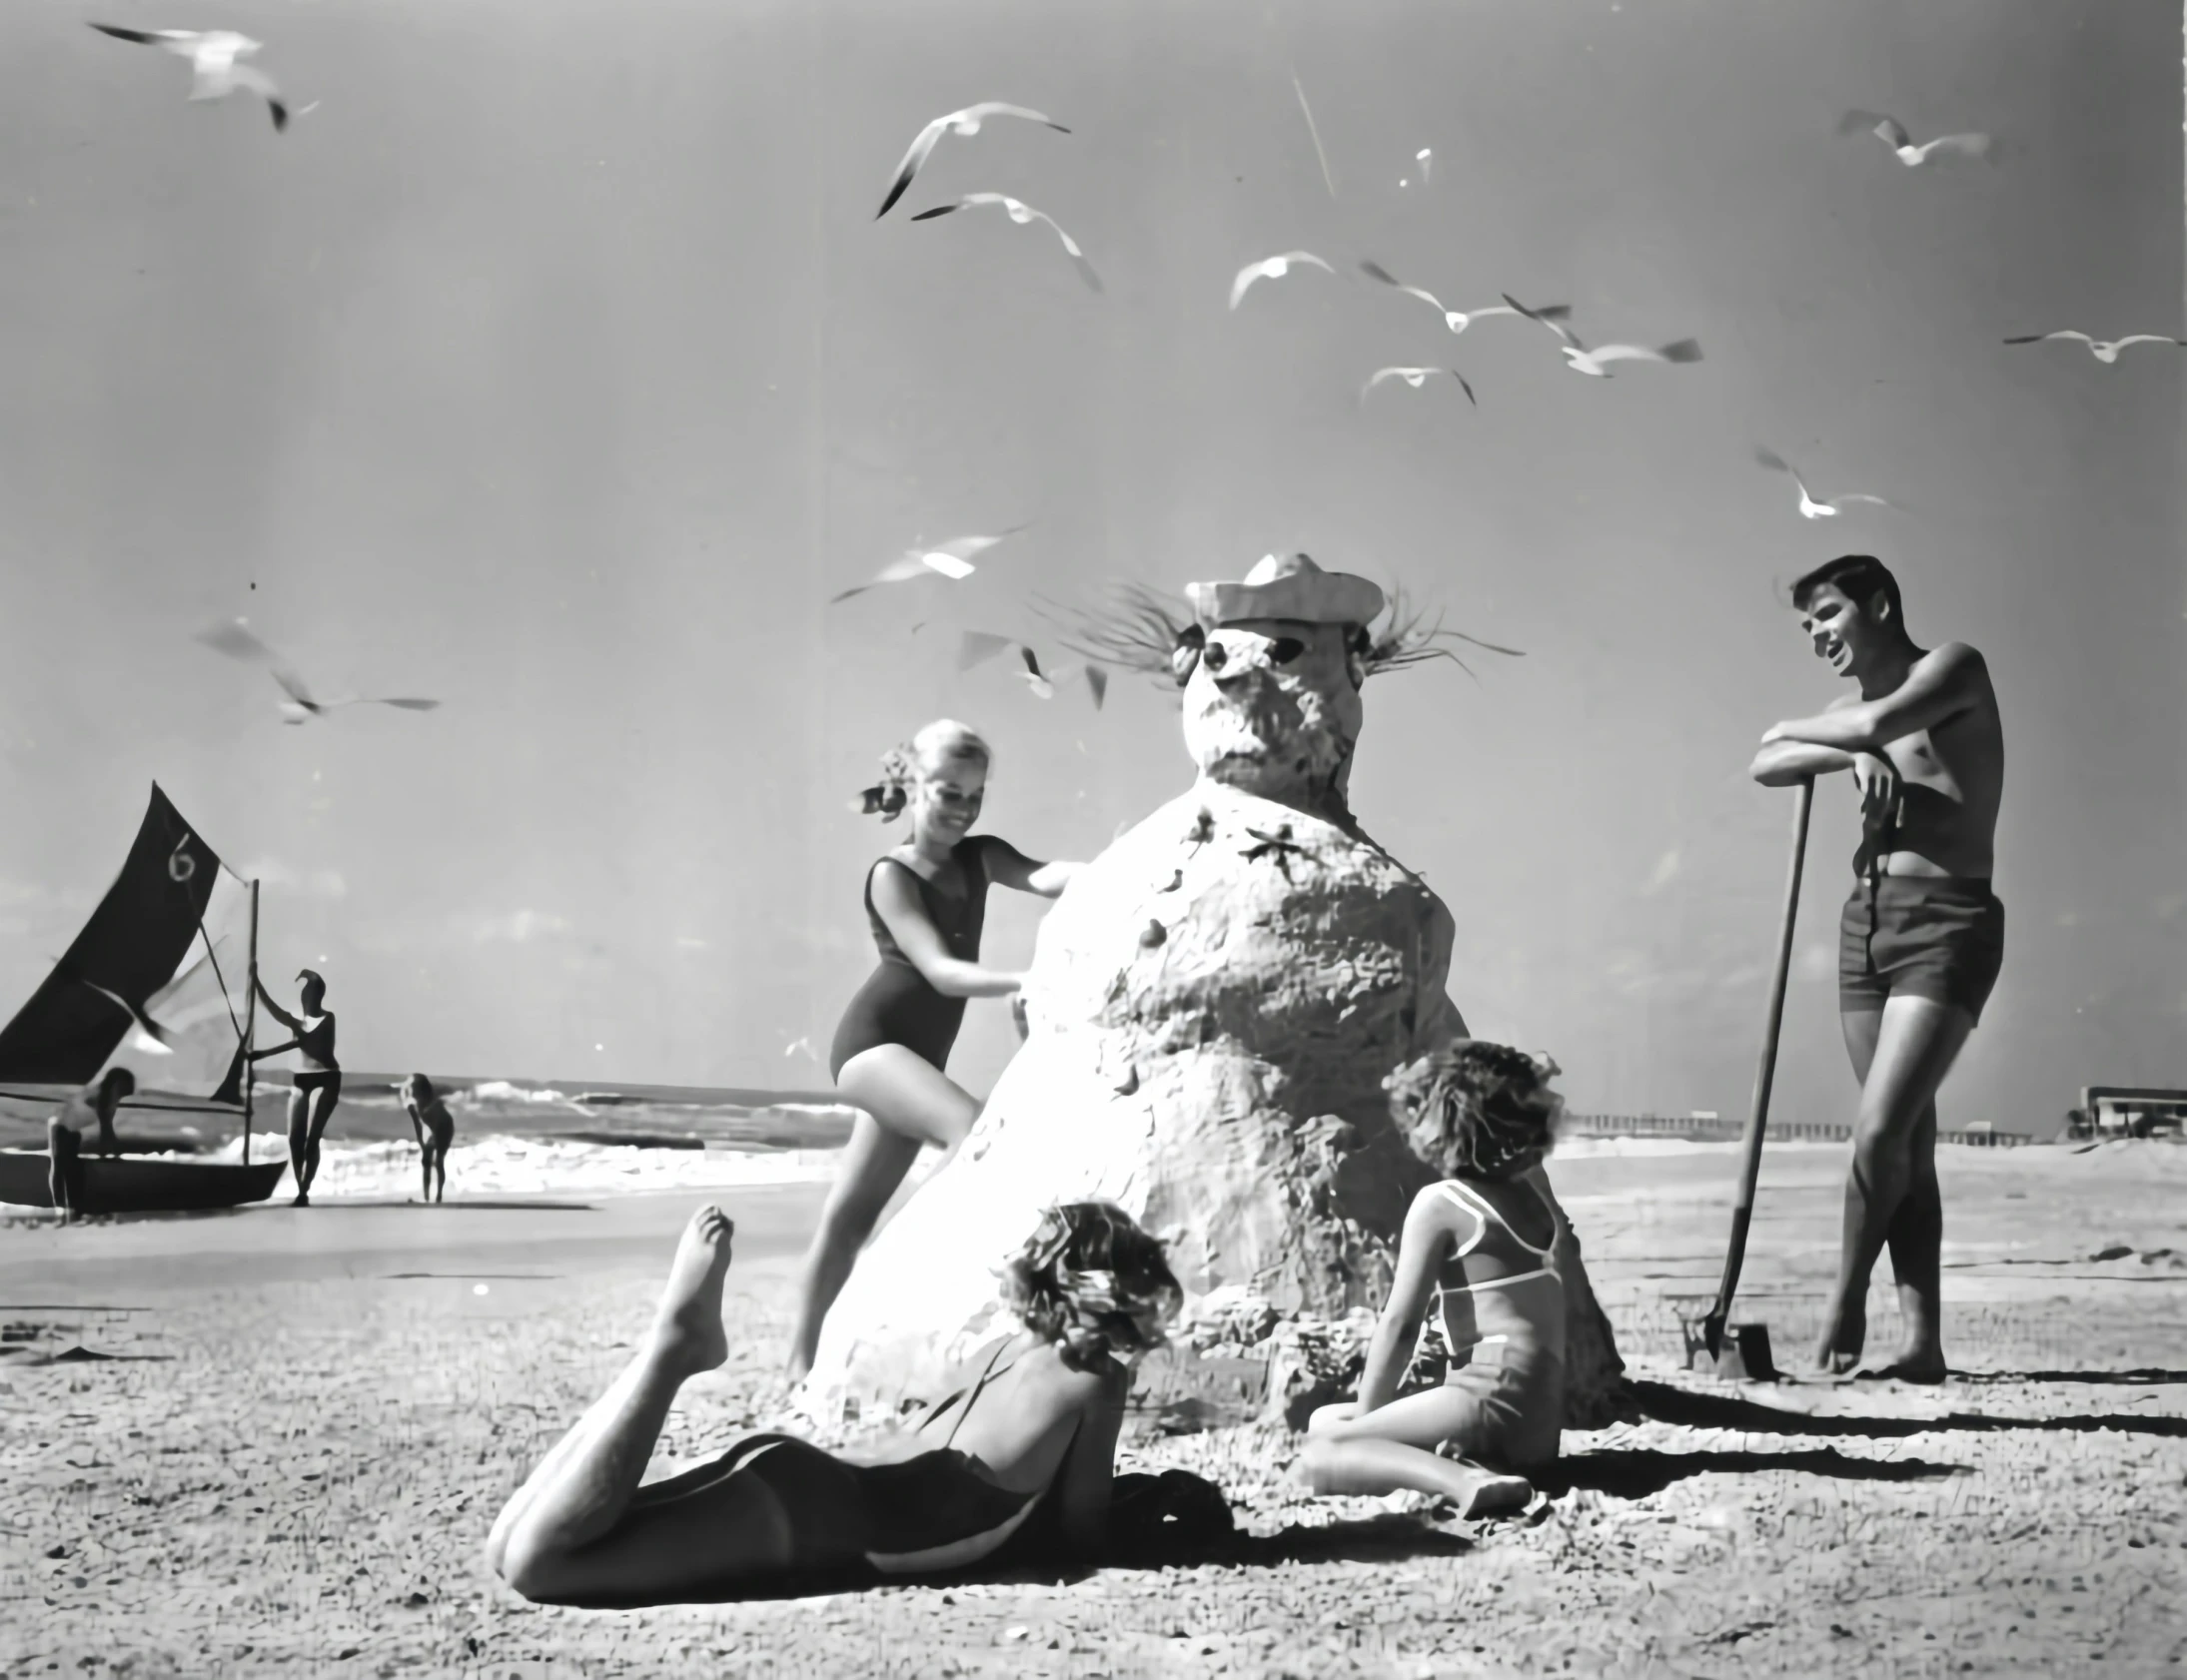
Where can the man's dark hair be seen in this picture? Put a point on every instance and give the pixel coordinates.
(1858, 577)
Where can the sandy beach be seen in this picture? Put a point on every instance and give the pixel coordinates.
(273, 1442)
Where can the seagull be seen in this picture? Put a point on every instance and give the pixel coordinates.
(965, 122)
(978, 646)
(1582, 360)
(953, 559)
(1458, 320)
(150, 1035)
(800, 1044)
(1426, 158)
(1809, 508)
(1021, 214)
(1271, 267)
(1893, 134)
(1415, 377)
(212, 54)
(237, 641)
(2103, 350)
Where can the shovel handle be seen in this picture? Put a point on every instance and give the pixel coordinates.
(1758, 1119)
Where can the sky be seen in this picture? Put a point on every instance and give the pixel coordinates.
(562, 372)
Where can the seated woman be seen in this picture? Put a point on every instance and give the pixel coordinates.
(433, 1127)
(1483, 1246)
(1025, 1461)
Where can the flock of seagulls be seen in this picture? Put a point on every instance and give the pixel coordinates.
(217, 60)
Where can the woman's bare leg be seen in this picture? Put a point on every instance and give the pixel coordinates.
(299, 1145)
(1367, 1464)
(565, 1535)
(439, 1172)
(323, 1101)
(905, 1102)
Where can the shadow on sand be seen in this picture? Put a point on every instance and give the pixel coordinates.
(1636, 1473)
(1667, 1405)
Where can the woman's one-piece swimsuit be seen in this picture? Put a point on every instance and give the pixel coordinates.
(897, 1004)
(1510, 1332)
(937, 1511)
(317, 1041)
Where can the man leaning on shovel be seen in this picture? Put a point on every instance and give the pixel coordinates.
(1922, 936)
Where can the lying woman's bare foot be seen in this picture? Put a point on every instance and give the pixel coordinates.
(687, 1332)
(1838, 1353)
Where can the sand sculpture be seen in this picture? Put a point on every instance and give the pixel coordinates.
(1212, 1008)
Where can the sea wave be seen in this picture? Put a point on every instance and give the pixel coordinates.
(504, 1165)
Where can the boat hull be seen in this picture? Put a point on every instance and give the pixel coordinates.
(140, 1184)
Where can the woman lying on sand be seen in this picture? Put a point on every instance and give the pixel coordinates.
(431, 1125)
(1483, 1246)
(1026, 1460)
(926, 913)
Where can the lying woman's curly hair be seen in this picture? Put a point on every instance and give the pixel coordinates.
(1477, 1110)
(1092, 1281)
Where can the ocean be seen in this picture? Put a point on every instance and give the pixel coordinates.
(512, 1136)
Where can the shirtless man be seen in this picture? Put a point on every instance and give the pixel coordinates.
(1922, 937)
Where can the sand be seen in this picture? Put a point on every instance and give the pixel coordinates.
(312, 1415)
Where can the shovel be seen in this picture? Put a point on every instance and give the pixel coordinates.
(1747, 1356)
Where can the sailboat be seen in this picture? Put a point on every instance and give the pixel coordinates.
(147, 981)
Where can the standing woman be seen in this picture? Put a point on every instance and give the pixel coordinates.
(318, 1082)
(433, 1127)
(926, 902)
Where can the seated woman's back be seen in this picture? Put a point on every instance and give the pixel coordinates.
(1500, 1281)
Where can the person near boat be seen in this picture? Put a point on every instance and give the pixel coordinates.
(318, 1082)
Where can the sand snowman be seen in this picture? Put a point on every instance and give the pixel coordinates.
(1212, 1005)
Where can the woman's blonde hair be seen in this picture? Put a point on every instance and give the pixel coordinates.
(939, 745)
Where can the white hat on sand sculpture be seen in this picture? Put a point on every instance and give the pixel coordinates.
(1286, 587)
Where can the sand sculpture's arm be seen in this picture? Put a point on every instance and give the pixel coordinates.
(897, 901)
(1009, 867)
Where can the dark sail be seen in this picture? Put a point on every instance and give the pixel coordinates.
(132, 946)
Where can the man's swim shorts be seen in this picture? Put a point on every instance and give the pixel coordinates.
(1926, 936)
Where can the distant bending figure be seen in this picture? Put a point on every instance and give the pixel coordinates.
(1025, 1464)
(926, 902)
(1481, 1249)
(1921, 938)
(432, 1127)
(317, 1084)
(97, 1104)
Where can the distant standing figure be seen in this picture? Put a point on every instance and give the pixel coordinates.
(431, 1124)
(64, 1167)
(1922, 937)
(317, 1084)
(927, 903)
(96, 1104)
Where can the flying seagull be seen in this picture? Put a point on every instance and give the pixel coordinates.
(1271, 267)
(1021, 214)
(1582, 360)
(952, 559)
(212, 54)
(1893, 134)
(150, 1035)
(1415, 377)
(1458, 320)
(978, 646)
(2103, 350)
(301, 707)
(1809, 508)
(965, 122)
